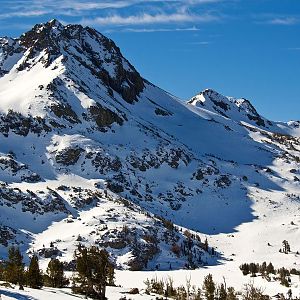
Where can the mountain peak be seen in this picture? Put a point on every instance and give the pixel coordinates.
(67, 53)
(54, 23)
(211, 97)
(239, 109)
(73, 39)
(209, 91)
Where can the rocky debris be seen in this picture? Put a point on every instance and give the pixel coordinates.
(257, 119)
(51, 252)
(31, 202)
(206, 170)
(134, 291)
(114, 239)
(65, 111)
(68, 156)
(21, 125)
(80, 198)
(6, 234)
(114, 186)
(103, 116)
(223, 181)
(10, 167)
(149, 159)
(198, 175)
(162, 112)
(103, 162)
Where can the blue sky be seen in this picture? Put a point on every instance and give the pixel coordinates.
(241, 48)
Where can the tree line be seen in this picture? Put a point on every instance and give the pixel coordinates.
(266, 270)
(209, 291)
(94, 271)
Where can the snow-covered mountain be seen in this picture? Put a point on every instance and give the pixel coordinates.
(91, 152)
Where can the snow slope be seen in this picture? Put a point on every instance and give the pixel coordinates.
(113, 293)
(88, 146)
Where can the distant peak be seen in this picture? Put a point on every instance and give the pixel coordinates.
(54, 22)
(209, 91)
(212, 95)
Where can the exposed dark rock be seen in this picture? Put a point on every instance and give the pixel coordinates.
(114, 187)
(51, 252)
(115, 244)
(103, 116)
(161, 112)
(223, 181)
(6, 234)
(31, 202)
(21, 125)
(69, 156)
(9, 164)
(134, 291)
(198, 175)
(65, 111)
(257, 119)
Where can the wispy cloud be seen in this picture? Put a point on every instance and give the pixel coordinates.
(117, 13)
(28, 13)
(81, 5)
(32, 8)
(145, 18)
(284, 21)
(277, 19)
(149, 30)
(201, 43)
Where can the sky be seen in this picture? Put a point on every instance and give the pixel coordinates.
(240, 48)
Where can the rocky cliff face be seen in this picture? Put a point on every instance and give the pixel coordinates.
(229, 107)
(91, 152)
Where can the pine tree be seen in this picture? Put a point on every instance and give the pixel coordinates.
(2, 270)
(253, 268)
(110, 275)
(286, 247)
(263, 268)
(283, 273)
(270, 269)
(222, 293)
(245, 269)
(14, 267)
(205, 247)
(94, 272)
(34, 276)
(195, 294)
(231, 294)
(209, 287)
(290, 294)
(55, 274)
